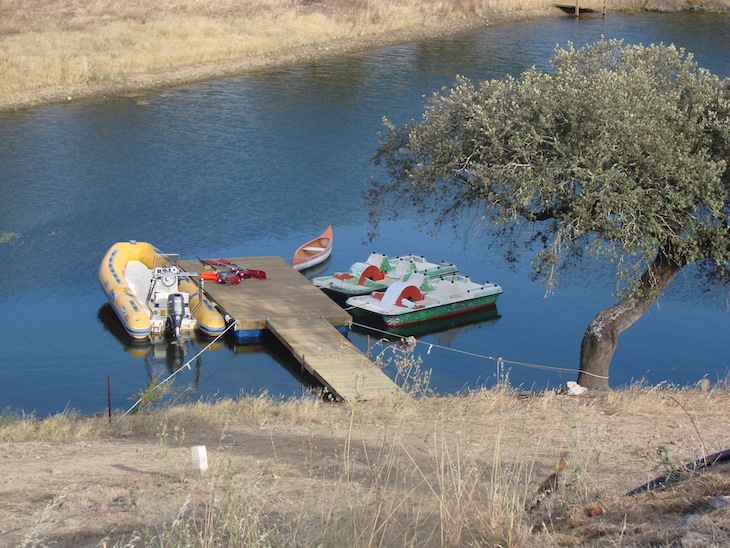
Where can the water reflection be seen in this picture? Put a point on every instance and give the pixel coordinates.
(167, 352)
(167, 356)
(309, 385)
(447, 329)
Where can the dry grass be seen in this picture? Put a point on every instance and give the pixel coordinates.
(67, 42)
(474, 470)
(54, 49)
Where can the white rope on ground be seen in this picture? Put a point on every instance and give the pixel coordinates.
(484, 357)
(186, 365)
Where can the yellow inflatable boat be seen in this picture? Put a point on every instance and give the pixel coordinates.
(152, 295)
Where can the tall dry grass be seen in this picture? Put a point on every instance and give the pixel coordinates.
(57, 43)
(467, 471)
(47, 44)
(475, 470)
(101, 45)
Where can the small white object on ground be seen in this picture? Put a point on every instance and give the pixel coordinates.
(575, 389)
(200, 457)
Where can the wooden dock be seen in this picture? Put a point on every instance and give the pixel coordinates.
(304, 319)
(582, 7)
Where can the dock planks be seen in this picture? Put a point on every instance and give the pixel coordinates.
(304, 319)
(285, 293)
(332, 358)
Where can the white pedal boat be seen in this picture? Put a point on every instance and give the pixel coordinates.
(406, 303)
(377, 273)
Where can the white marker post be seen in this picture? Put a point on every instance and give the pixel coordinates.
(200, 457)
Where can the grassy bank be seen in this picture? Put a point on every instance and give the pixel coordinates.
(63, 49)
(492, 468)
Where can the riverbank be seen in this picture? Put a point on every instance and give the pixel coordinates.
(92, 50)
(485, 469)
(64, 50)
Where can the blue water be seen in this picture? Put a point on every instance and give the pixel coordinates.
(257, 164)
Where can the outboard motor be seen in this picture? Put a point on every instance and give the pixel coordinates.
(175, 312)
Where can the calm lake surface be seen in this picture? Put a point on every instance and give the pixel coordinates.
(256, 165)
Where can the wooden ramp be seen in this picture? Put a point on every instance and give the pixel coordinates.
(582, 7)
(332, 358)
(306, 321)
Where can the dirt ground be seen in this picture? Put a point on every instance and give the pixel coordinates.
(126, 482)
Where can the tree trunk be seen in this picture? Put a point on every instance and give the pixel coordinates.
(601, 337)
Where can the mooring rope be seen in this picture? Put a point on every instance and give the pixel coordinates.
(485, 357)
(186, 365)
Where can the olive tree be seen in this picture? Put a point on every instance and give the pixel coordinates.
(621, 151)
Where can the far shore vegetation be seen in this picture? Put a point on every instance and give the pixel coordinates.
(63, 49)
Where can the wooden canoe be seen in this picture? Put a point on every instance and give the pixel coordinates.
(314, 251)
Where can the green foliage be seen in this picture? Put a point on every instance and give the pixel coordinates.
(145, 399)
(9, 417)
(409, 376)
(664, 462)
(620, 150)
(7, 236)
